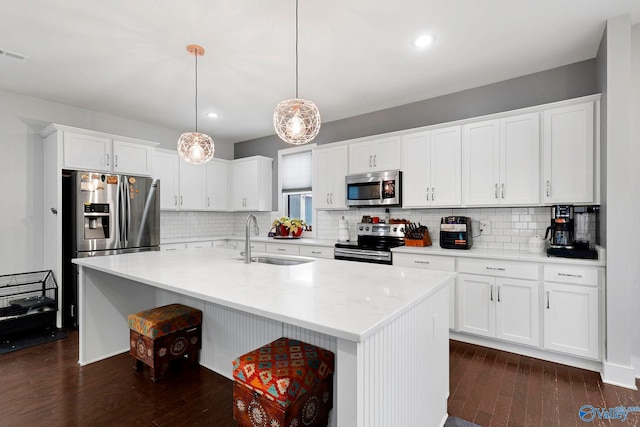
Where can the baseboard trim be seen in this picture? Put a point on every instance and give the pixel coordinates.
(635, 362)
(621, 376)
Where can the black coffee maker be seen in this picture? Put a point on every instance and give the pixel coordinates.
(561, 228)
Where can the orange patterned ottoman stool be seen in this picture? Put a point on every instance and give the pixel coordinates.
(160, 335)
(286, 383)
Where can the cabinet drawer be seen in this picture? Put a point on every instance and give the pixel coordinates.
(198, 245)
(424, 261)
(571, 274)
(317, 251)
(283, 249)
(256, 246)
(519, 270)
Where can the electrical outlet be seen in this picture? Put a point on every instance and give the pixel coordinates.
(485, 227)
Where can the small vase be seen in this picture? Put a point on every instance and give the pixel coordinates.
(284, 231)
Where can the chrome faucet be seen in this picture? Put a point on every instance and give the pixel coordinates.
(247, 237)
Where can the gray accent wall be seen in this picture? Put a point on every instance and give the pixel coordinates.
(557, 84)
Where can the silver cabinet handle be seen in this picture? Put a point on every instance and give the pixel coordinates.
(433, 196)
(282, 250)
(498, 293)
(171, 249)
(491, 292)
(578, 276)
(375, 156)
(116, 159)
(208, 201)
(327, 198)
(370, 161)
(495, 190)
(316, 252)
(548, 185)
(108, 159)
(548, 298)
(502, 190)
(496, 268)
(181, 200)
(427, 193)
(421, 262)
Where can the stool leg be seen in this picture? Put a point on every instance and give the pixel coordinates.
(194, 358)
(137, 365)
(156, 373)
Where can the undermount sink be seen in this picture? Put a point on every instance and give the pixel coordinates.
(279, 260)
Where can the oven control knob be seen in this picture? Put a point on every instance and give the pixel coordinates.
(361, 228)
(395, 229)
(367, 228)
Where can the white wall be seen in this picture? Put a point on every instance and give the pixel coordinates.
(21, 120)
(634, 176)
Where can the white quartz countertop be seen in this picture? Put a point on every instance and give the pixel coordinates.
(497, 254)
(262, 239)
(349, 300)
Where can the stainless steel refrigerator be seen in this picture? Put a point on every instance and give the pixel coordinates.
(104, 214)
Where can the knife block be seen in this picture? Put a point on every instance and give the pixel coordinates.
(425, 241)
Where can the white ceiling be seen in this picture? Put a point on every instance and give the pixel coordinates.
(128, 57)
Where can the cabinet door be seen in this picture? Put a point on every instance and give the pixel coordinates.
(360, 157)
(92, 153)
(571, 319)
(134, 159)
(329, 170)
(445, 167)
(284, 249)
(568, 154)
(192, 186)
(481, 163)
(217, 171)
(386, 154)
(476, 308)
(520, 160)
(166, 168)
(517, 311)
(245, 186)
(416, 174)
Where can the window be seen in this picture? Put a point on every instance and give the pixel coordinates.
(295, 167)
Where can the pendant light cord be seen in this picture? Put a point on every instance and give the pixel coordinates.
(196, 55)
(296, 49)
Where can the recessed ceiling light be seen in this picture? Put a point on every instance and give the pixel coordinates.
(212, 115)
(424, 41)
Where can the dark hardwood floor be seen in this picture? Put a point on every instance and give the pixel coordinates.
(44, 386)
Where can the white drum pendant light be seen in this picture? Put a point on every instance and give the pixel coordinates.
(297, 121)
(195, 147)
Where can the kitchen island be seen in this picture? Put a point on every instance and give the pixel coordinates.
(386, 325)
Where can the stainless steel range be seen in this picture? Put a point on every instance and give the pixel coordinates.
(373, 245)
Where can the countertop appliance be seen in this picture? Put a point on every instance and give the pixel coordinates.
(573, 232)
(373, 245)
(382, 188)
(455, 232)
(104, 214)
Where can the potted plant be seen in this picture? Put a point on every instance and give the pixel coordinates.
(286, 226)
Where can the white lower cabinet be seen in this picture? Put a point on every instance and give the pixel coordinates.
(443, 263)
(199, 245)
(173, 246)
(283, 249)
(317, 251)
(496, 306)
(571, 310)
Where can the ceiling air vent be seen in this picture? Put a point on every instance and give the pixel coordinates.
(12, 55)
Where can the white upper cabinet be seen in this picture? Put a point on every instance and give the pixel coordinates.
(501, 161)
(98, 152)
(569, 168)
(251, 184)
(166, 167)
(431, 173)
(375, 155)
(217, 181)
(132, 158)
(192, 186)
(329, 171)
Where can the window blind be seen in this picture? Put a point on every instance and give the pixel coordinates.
(297, 171)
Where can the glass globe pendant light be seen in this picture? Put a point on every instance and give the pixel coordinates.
(296, 121)
(194, 147)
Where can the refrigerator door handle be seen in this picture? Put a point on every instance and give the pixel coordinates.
(124, 207)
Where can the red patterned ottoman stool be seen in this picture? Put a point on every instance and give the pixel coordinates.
(160, 335)
(286, 383)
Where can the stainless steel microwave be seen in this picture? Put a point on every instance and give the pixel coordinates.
(382, 188)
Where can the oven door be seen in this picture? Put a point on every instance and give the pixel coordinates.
(362, 255)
